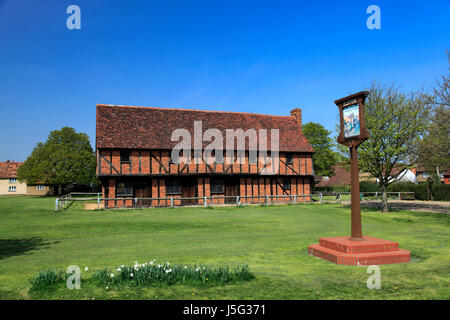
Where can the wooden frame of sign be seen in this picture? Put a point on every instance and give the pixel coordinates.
(352, 123)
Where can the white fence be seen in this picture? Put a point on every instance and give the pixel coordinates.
(68, 200)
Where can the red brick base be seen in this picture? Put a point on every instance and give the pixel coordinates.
(369, 251)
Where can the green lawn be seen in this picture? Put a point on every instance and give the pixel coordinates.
(272, 240)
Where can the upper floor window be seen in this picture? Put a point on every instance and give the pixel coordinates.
(286, 184)
(217, 186)
(124, 156)
(124, 189)
(173, 187)
(289, 158)
(12, 180)
(12, 189)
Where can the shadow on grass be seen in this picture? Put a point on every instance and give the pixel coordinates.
(17, 247)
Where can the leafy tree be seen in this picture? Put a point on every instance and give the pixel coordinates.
(324, 157)
(66, 157)
(433, 151)
(394, 120)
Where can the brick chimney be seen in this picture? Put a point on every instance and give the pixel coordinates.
(297, 114)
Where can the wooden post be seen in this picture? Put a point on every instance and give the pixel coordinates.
(356, 205)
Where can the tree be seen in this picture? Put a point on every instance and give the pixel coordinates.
(394, 120)
(66, 157)
(433, 151)
(324, 157)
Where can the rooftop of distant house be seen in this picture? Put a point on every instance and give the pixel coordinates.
(8, 169)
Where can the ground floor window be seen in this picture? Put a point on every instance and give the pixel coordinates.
(217, 186)
(40, 187)
(286, 184)
(124, 189)
(173, 187)
(12, 189)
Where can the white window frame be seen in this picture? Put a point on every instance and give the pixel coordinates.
(12, 180)
(12, 189)
(40, 187)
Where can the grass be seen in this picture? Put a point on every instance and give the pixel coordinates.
(272, 241)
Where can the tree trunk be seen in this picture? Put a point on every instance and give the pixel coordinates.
(384, 201)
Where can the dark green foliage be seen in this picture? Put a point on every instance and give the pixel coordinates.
(150, 274)
(45, 279)
(66, 156)
(419, 190)
(324, 157)
(369, 186)
(339, 188)
(441, 192)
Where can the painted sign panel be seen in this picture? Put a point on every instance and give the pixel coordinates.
(351, 121)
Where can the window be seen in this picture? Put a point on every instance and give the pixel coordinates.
(124, 156)
(217, 186)
(173, 187)
(289, 158)
(425, 174)
(40, 187)
(12, 189)
(124, 189)
(286, 184)
(12, 180)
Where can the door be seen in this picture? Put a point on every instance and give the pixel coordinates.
(143, 190)
(189, 189)
(231, 189)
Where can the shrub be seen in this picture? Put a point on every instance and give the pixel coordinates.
(369, 186)
(46, 279)
(420, 190)
(441, 192)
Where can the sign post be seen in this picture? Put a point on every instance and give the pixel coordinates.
(356, 249)
(353, 132)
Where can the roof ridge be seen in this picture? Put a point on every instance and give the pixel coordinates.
(196, 110)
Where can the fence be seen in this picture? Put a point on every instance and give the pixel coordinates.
(67, 201)
(338, 197)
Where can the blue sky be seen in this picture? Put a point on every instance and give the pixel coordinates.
(251, 56)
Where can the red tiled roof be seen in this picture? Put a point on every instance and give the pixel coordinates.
(341, 176)
(9, 169)
(151, 128)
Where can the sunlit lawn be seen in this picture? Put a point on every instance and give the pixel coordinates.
(272, 240)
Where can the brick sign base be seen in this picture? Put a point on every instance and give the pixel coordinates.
(368, 251)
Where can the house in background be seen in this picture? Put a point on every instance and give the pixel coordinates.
(8, 179)
(134, 157)
(341, 177)
(447, 177)
(401, 174)
(423, 174)
(9, 184)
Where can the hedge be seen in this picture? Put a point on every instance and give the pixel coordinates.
(439, 191)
